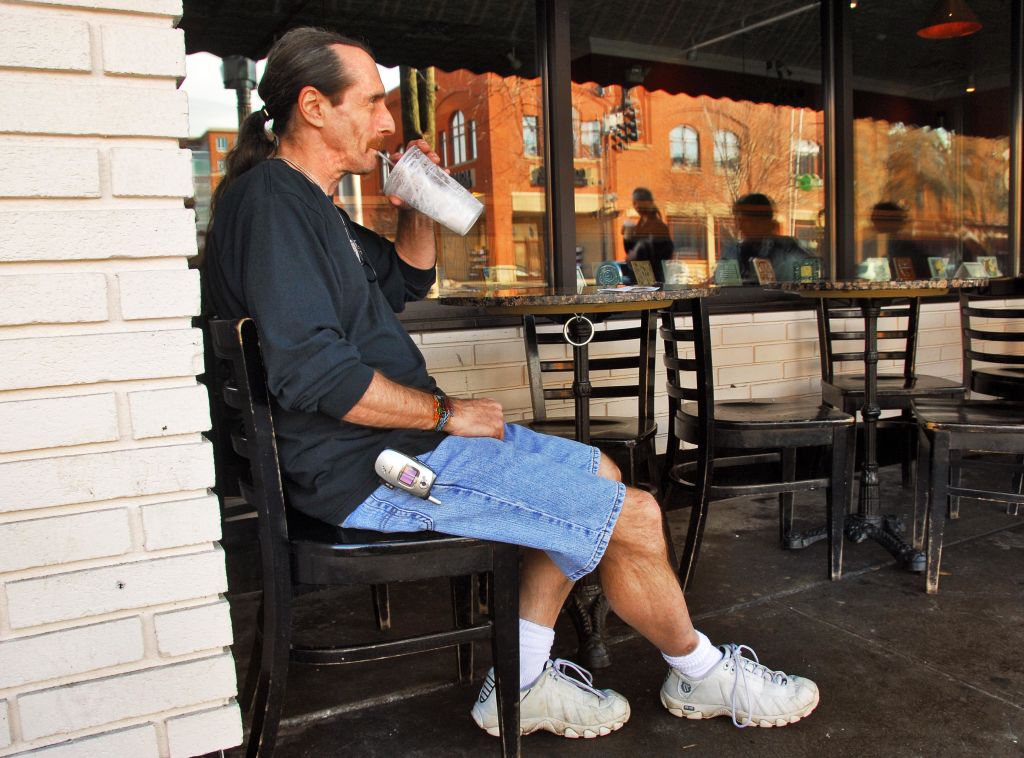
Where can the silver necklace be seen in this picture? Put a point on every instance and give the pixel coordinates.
(356, 247)
(302, 171)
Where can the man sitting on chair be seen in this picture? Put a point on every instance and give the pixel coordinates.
(348, 381)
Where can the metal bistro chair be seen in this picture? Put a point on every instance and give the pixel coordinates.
(748, 434)
(300, 554)
(839, 325)
(952, 432)
(636, 347)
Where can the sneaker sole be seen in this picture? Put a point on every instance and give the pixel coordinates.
(713, 711)
(561, 728)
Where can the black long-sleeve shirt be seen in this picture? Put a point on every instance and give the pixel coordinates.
(279, 251)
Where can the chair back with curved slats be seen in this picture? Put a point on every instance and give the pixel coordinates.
(993, 345)
(841, 337)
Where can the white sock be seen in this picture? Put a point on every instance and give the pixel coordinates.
(535, 643)
(697, 664)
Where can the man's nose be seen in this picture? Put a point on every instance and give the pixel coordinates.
(386, 123)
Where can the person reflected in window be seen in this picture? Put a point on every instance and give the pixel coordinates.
(648, 239)
(760, 238)
(888, 220)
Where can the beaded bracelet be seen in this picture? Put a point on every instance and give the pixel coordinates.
(442, 410)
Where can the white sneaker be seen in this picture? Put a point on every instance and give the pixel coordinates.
(555, 702)
(748, 691)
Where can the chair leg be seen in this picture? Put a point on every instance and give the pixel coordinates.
(921, 490)
(650, 457)
(939, 481)
(698, 519)
(505, 645)
(381, 606)
(786, 498)
(956, 473)
(269, 691)
(838, 503)
(671, 448)
(252, 674)
(1013, 509)
(907, 466)
(464, 602)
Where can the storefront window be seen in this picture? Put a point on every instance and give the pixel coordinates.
(931, 148)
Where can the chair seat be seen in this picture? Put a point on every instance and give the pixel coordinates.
(604, 430)
(894, 386)
(973, 416)
(999, 381)
(771, 413)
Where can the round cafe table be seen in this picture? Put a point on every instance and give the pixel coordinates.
(577, 309)
(871, 296)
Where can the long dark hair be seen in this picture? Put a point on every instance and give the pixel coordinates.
(301, 58)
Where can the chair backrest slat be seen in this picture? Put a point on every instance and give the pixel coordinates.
(839, 324)
(237, 343)
(635, 344)
(993, 336)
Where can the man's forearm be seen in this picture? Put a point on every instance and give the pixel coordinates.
(414, 239)
(388, 405)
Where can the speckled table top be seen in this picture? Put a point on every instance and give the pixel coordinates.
(569, 300)
(866, 288)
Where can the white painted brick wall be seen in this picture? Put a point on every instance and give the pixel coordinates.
(89, 592)
(64, 539)
(85, 108)
(134, 742)
(161, 413)
(93, 703)
(36, 658)
(91, 358)
(5, 725)
(57, 422)
(44, 41)
(144, 172)
(193, 629)
(53, 298)
(182, 522)
(204, 732)
(108, 559)
(145, 52)
(159, 294)
(38, 171)
(64, 234)
(90, 477)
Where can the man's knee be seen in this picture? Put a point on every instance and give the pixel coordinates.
(608, 469)
(640, 521)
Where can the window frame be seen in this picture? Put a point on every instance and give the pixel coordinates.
(682, 163)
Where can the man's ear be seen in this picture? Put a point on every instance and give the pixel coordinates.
(310, 106)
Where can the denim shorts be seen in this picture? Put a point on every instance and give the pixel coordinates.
(529, 489)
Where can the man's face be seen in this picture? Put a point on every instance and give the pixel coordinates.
(355, 128)
(753, 222)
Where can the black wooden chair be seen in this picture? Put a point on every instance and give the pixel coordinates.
(739, 438)
(634, 345)
(841, 340)
(300, 554)
(951, 430)
(993, 352)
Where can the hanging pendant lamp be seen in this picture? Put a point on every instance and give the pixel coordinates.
(950, 19)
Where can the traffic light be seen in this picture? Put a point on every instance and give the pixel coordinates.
(630, 128)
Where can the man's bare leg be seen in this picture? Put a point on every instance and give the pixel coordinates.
(638, 580)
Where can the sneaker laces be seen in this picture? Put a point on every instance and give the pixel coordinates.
(756, 669)
(584, 680)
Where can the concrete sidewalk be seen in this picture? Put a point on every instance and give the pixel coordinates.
(901, 673)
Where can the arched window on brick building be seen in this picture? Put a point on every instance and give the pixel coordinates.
(684, 147)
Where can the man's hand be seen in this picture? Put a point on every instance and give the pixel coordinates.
(428, 151)
(476, 418)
